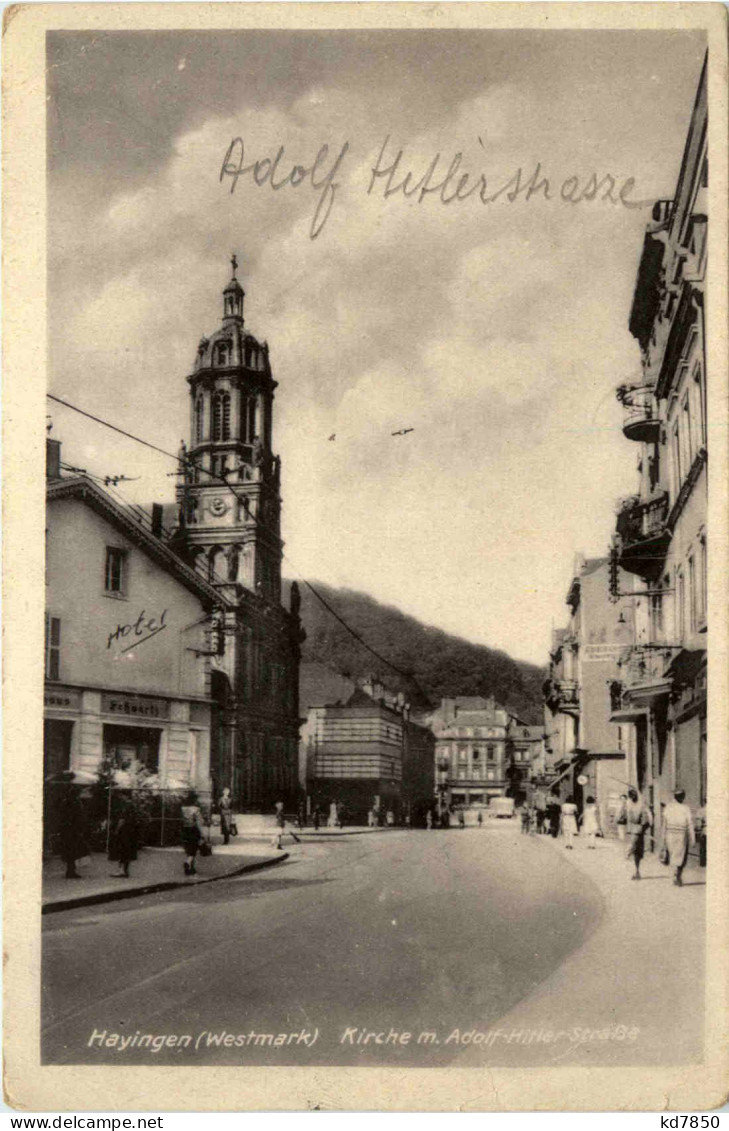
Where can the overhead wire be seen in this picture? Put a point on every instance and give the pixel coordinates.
(223, 481)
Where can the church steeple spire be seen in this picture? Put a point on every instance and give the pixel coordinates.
(231, 402)
(233, 296)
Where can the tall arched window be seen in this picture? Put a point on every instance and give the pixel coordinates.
(217, 417)
(199, 411)
(251, 423)
(225, 428)
(223, 353)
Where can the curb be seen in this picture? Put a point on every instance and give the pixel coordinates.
(325, 835)
(148, 889)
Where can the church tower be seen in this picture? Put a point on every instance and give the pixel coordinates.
(235, 533)
(229, 527)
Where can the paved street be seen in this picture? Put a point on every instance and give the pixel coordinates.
(477, 930)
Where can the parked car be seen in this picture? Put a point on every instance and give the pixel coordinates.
(501, 807)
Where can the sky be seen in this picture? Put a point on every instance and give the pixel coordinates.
(497, 331)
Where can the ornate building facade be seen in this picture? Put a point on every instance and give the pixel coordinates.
(229, 530)
(470, 749)
(661, 532)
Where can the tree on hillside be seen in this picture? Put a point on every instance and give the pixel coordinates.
(438, 664)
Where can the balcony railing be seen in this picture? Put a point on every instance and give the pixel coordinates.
(643, 666)
(643, 534)
(640, 415)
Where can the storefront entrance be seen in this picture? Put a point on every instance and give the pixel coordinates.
(56, 746)
(125, 746)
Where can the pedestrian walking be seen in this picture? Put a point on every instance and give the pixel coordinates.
(621, 818)
(540, 809)
(461, 819)
(192, 834)
(280, 821)
(554, 813)
(124, 839)
(591, 822)
(524, 817)
(429, 819)
(700, 827)
(316, 818)
(72, 830)
(637, 822)
(678, 834)
(479, 818)
(225, 808)
(569, 821)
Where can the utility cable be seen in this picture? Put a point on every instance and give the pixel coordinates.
(224, 482)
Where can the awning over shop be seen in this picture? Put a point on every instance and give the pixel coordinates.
(686, 666)
(629, 713)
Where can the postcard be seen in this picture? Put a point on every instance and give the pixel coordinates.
(365, 556)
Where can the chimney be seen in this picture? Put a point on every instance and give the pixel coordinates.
(53, 458)
(157, 519)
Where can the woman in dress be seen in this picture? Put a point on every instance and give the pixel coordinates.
(678, 834)
(192, 834)
(569, 821)
(591, 822)
(637, 822)
(123, 845)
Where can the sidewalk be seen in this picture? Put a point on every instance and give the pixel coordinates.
(155, 870)
(641, 968)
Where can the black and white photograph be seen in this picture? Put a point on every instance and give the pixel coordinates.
(377, 390)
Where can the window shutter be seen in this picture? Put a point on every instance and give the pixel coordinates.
(53, 647)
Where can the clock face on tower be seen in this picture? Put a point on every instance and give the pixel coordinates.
(218, 506)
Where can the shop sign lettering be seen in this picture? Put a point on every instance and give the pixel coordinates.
(131, 705)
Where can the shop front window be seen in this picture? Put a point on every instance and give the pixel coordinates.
(131, 748)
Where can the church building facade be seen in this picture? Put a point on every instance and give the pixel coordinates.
(229, 529)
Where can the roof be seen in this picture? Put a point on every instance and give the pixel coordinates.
(99, 501)
(246, 351)
(473, 718)
(591, 566)
(528, 733)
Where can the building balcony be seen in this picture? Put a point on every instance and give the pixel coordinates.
(640, 413)
(562, 695)
(644, 676)
(644, 536)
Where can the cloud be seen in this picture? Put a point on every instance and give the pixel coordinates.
(496, 331)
